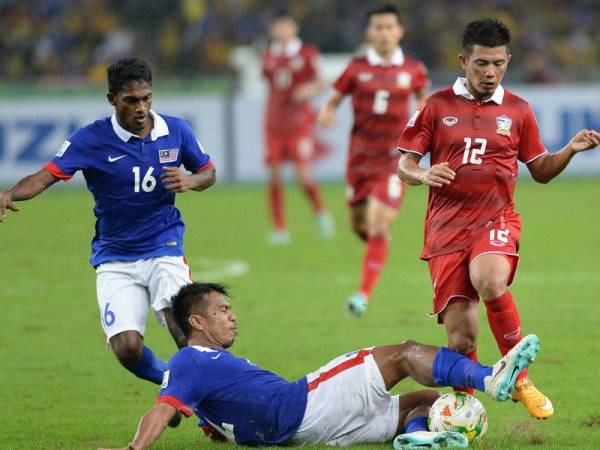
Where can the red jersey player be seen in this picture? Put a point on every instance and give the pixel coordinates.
(290, 67)
(476, 132)
(381, 84)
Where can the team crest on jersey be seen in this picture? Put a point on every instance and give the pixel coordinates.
(504, 123)
(365, 76)
(168, 155)
(449, 121)
(297, 63)
(403, 80)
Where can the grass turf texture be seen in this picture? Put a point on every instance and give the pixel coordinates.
(62, 389)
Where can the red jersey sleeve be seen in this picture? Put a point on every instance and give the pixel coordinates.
(418, 132)
(530, 144)
(420, 81)
(345, 83)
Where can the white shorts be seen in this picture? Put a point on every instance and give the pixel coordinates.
(348, 404)
(126, 289)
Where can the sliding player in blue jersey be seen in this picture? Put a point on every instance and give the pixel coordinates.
(131, 162)
(343, 403)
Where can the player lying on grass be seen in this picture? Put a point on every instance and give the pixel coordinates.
(475, 132)
(131, 162)
(345, 402)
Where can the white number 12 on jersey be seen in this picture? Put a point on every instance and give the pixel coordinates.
(471, 155)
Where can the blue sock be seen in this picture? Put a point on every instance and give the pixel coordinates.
(416, 424)
(453, 369)
(150, 367)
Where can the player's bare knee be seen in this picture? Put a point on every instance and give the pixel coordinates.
(462, 343)
(127, 347)
(491, 286)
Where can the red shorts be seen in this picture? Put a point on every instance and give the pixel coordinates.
(295, 148)
(387, 188)
(450, 273)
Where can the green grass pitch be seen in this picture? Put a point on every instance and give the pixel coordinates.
(63, 390)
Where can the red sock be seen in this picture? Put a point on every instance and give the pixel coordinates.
(375, 256)
(276, 204)
(473, 357)
(314, 195)
(505, 323)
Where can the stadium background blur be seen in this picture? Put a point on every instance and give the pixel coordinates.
(63, 390)
(74, 40)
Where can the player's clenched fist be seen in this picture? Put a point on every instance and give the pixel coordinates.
(6, 204)
(438, 175)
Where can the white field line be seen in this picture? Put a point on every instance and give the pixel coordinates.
(209, 269)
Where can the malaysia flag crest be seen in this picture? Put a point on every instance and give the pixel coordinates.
(168, 155)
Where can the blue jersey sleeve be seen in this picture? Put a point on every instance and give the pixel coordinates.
(69, 159)
(193, 155)
(181, 387)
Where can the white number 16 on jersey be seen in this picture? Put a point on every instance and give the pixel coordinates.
(471, 155)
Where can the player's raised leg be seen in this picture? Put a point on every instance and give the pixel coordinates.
(490, 275)
(433, 366)
(312, 191)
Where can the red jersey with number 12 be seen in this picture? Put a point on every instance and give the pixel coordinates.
(481, 142)
(381, 96)
(285, 70)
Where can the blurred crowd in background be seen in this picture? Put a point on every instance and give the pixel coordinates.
(73, 40)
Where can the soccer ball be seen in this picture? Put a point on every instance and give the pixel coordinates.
(461, 412)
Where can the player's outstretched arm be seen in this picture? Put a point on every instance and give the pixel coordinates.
(177, 181)
(327, 114)
(151, 426)
(25, 189)
(548, 166)
(410, 172)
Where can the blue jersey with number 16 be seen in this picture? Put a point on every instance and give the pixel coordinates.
(136, 216)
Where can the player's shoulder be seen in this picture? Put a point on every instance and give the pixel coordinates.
(359, 61)
(90, 133)
(309, 49)
(193, 354)
(441, 96)
(512, 100)
(174, 123)
(413, 62)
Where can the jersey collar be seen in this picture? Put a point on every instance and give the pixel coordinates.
(375, 59)
(290, 50)
(460, 88)
(160, 128)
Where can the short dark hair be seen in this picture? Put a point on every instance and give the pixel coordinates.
(384, 9)
(191, 299)
(485, 32)
(125, 71)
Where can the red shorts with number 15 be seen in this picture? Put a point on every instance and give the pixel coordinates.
(450, 273)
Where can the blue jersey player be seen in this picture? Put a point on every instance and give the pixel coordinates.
(131, 162)
(345, 402)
